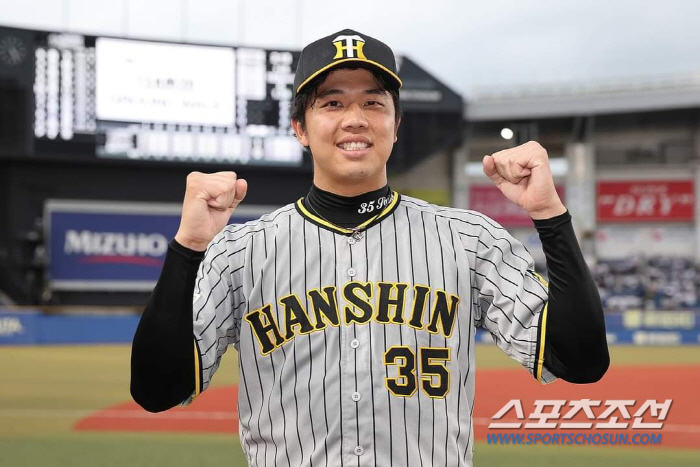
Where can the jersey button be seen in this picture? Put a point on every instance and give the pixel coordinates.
(352, 272)
(356, 396)
(359, 450)
(354, 343)
(352, 241)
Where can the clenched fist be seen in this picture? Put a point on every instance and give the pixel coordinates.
(210, 199)
(522, 174)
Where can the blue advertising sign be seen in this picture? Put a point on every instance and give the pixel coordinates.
(31, 327)
(664, 328)
(113, 246)
(18, 328)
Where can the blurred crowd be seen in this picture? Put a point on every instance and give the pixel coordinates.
(653, 283)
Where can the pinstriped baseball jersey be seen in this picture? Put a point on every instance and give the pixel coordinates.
(357, 347)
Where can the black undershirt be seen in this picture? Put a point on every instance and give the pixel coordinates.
(344, 211)
(576, 348)
(162, 358)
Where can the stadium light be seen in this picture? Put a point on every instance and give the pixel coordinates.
(507, 133)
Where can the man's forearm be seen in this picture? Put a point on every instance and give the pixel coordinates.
(162, 355)
(576, 348)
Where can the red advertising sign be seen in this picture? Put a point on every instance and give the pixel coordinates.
(488, 200)
(646, 201)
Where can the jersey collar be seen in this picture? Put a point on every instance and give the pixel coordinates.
(313, 218)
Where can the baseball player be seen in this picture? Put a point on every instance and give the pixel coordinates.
(353, 310)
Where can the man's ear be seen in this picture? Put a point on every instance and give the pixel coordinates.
(396, 129)
(301, 134)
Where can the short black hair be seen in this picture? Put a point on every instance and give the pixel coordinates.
(308, 94)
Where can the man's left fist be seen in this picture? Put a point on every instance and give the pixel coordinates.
(523, 175)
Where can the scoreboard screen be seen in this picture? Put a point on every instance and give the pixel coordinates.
(165, 101)
(164, 83)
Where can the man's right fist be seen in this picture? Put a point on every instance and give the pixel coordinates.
(210, 199)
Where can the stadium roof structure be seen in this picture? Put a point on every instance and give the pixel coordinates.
(664, 92)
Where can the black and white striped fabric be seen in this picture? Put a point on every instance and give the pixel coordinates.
(357, 348)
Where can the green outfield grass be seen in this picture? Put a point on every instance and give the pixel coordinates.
(44, 390)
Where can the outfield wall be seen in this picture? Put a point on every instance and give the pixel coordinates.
(32, 327)
(634, 327)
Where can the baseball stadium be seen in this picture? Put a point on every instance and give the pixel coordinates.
(109, 109)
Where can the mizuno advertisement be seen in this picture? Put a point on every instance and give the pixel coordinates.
(111, 245)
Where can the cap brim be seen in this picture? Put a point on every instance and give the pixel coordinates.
(363, 63)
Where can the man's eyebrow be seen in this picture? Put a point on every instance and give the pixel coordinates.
(376, 91)
(328, 92)
(334, 91)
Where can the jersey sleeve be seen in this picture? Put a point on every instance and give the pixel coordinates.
(217, 304)
(509, 298)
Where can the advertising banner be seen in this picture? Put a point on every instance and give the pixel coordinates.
(113, 246)
(31, 327)
(18, 327)
(488, 200)
(642, 328)
(646, 201)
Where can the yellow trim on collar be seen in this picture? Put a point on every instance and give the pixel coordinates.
(315, 218)
(540, 358)
(335, 63)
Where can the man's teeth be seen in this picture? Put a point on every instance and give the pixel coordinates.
(354, 146)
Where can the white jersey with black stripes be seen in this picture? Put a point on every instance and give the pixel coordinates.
(357, 347)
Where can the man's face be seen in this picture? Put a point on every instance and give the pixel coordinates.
(351, 129)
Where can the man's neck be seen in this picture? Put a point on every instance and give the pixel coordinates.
(349, 189)
(346, 211)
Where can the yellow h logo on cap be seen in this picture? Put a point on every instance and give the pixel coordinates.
(346, 46)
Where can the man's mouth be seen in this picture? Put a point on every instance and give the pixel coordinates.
(354, 146)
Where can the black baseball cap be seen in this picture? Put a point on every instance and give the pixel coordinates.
(345, 48)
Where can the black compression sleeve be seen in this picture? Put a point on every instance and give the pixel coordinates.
(576, 348)
(162, 355)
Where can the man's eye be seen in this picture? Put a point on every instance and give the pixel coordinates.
(332, 104)
(373, 103)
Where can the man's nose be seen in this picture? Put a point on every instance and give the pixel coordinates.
(354, 117)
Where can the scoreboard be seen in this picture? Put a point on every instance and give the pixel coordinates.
(122, 98)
